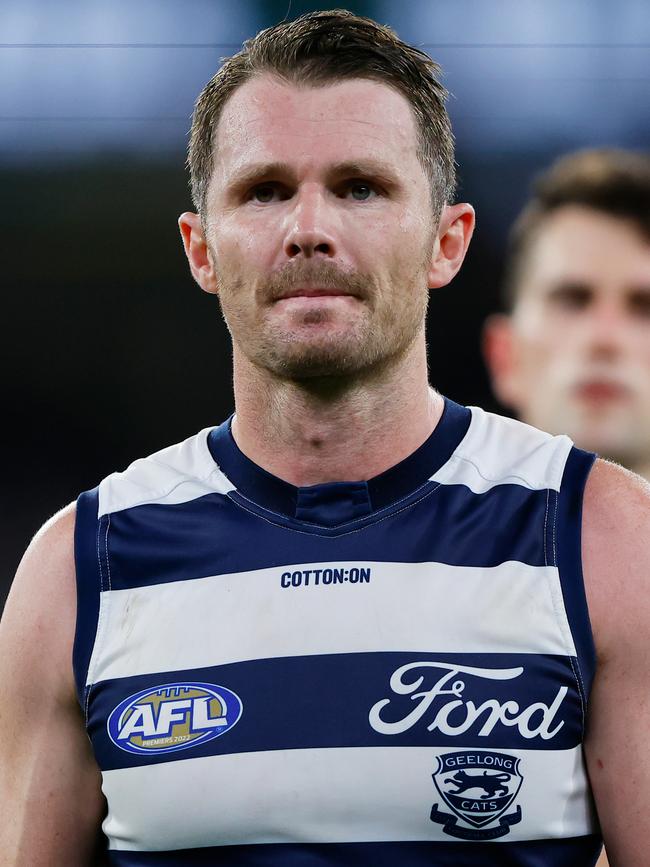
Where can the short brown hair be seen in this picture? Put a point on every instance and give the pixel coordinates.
(323, 47)
(609, 180)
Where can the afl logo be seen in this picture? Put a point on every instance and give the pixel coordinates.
(173, 717)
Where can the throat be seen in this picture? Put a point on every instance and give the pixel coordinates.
(351, 431)
(346, 444)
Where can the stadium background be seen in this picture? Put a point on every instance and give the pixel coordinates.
(110, 351)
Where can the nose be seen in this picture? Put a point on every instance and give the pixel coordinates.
(311, 226)
(606, 329)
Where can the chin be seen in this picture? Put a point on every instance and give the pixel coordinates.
(315, 365)
(333, 360)
(604, 439)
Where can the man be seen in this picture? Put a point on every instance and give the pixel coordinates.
(347, 626)
(574, 353)
(573, 356)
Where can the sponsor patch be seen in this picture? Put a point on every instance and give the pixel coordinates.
(478, 786)
(173, 717)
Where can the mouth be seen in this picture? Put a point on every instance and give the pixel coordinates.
(601, 391)
(308, 292)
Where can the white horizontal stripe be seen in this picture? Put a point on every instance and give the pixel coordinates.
(495, 451)
(500, 451)
(176, 474)
(324, 796)
(420, 607)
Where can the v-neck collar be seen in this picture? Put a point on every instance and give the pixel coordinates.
(334, 503)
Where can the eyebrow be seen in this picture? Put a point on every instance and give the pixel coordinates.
(364, 168)
(255, 172)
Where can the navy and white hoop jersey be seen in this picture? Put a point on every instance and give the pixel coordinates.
(381, 673)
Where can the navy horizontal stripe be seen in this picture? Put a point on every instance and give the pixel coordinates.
(571, 852)
(217, 534)
(308, 702)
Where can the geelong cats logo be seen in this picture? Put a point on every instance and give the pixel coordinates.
(478, 787)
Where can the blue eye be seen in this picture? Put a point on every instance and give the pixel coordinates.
(361, 192)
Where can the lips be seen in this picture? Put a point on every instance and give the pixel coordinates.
(311, 293)
(601, 390)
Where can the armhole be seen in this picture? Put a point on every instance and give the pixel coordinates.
(569, 561)
(89, 586)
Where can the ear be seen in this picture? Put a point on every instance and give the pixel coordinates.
(455, 231)
(198, 252)
(500, 354)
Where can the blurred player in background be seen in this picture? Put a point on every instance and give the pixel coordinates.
(573, 354)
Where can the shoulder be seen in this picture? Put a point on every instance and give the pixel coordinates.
(49, 558)
(38, 623)
(616, 566)
(497, 450)
(50, 786)
(616, 556)
(612, 493)
(173, 474)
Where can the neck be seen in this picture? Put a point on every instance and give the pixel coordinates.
(327, 430)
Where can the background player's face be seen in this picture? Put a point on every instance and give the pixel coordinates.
(575, 356)
(320, 226)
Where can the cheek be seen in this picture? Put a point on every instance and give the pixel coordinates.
(239, 245)
(541, 355)
(407, 257)
(392, 233)
(639, 345)
(541, 347)
(229, 250)
(416, 235)
(543, 337)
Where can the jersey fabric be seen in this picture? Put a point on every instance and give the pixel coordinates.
(391, 672)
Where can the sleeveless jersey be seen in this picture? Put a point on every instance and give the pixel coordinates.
(391, 672)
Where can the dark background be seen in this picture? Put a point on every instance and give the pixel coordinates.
(110, 351)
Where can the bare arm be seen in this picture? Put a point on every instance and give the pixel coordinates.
(50, 798)
(616, 559)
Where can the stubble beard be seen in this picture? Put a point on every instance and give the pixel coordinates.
(380, 334)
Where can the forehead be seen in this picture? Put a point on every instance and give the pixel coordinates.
(270, 119)
(586, 245)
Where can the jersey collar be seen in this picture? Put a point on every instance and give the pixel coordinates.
(335, 503)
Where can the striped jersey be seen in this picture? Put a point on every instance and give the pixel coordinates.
(391, 672)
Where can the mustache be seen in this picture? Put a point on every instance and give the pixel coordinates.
(316, 275)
